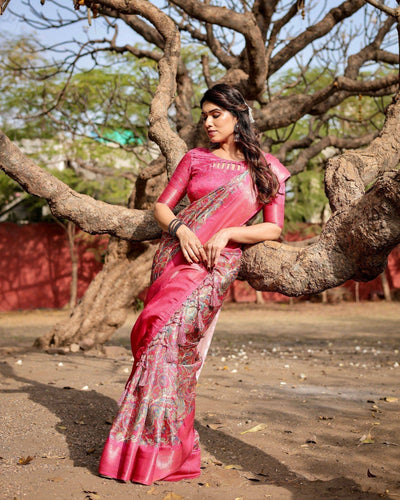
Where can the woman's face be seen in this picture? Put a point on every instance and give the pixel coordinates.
(219, 123)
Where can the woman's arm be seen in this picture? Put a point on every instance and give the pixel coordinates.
(191, 246)
(254, 234)
(245, 234)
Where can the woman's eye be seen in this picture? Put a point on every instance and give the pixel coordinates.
(216, 115)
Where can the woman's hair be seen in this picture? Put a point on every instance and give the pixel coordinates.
(246, 137)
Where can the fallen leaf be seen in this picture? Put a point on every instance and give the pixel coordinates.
(56, 479)
(91, 495)
(369, 474)
(172, 496)
(389, 399)
(321, 417)
(25, 461)
(152, 491)
(214, 426)
(256, 428)
(367, 439)
(91, 450)
(312, 440)
(233, 466)
(62, 427)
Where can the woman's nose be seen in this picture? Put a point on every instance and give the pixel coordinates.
(208, 122)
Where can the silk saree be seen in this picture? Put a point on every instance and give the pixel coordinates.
(153, 435)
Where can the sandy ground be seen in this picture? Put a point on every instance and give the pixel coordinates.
(295, 402)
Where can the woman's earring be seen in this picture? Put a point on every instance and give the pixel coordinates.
(236, 137)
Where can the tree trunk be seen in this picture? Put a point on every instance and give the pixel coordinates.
(259, 297)
(104, 306)
(385, 287)
(71, 230)
(126, 272)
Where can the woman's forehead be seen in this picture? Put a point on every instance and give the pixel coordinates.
(209, 107)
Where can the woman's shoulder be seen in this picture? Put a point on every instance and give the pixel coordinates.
(278, 169)
(199, 152)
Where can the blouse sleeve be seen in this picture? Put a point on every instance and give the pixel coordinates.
(274, 212)
(176, 187)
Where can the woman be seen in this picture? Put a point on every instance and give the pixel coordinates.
(153, 437)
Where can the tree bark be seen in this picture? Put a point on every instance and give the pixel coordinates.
(104, 306)
(71, 230)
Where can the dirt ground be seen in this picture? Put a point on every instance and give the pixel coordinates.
(295, 402)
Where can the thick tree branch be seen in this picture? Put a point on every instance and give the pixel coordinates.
(283, 111)
(354, 245)
(93, 216)
(347, 175)
(242, 23)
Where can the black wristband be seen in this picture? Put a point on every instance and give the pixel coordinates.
(173, 226)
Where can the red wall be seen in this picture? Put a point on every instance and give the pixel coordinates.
(35, 268)
(35, 265)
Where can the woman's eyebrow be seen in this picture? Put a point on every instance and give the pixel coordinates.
(209, 112)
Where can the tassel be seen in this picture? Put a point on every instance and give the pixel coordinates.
(142, 365)
(199, 321)
(214, 299)
(181, 335)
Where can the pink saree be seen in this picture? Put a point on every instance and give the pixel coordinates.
(153, 436)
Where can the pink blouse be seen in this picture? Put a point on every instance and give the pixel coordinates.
(200, 171)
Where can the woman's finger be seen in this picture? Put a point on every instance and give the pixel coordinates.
(192, 254)
(187, 256)
(203, 254)
(195, 248)
(216, 257)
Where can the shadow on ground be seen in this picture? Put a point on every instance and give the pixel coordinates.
(85, 418)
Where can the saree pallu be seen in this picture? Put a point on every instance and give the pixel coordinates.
(153, 435)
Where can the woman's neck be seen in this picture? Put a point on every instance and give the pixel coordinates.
(229, 151)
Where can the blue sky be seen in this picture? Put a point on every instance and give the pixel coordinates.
(81, 31)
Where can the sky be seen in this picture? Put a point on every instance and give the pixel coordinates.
(80, 31)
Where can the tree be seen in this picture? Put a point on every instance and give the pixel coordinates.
(250, 44)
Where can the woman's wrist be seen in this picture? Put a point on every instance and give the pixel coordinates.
(181, 230)
(174, 226)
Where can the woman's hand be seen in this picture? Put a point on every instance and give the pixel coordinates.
(191, 246)
(215, 245)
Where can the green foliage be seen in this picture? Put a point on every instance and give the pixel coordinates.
(305, 199)
(88, 119)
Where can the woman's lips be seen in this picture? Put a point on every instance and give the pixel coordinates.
(211, 132)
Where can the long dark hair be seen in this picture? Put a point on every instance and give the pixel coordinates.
(246, 138)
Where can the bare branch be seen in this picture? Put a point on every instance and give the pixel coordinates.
(384, 8)
(330, 140)
(334, 16)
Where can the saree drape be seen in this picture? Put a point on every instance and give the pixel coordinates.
(152, 436)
